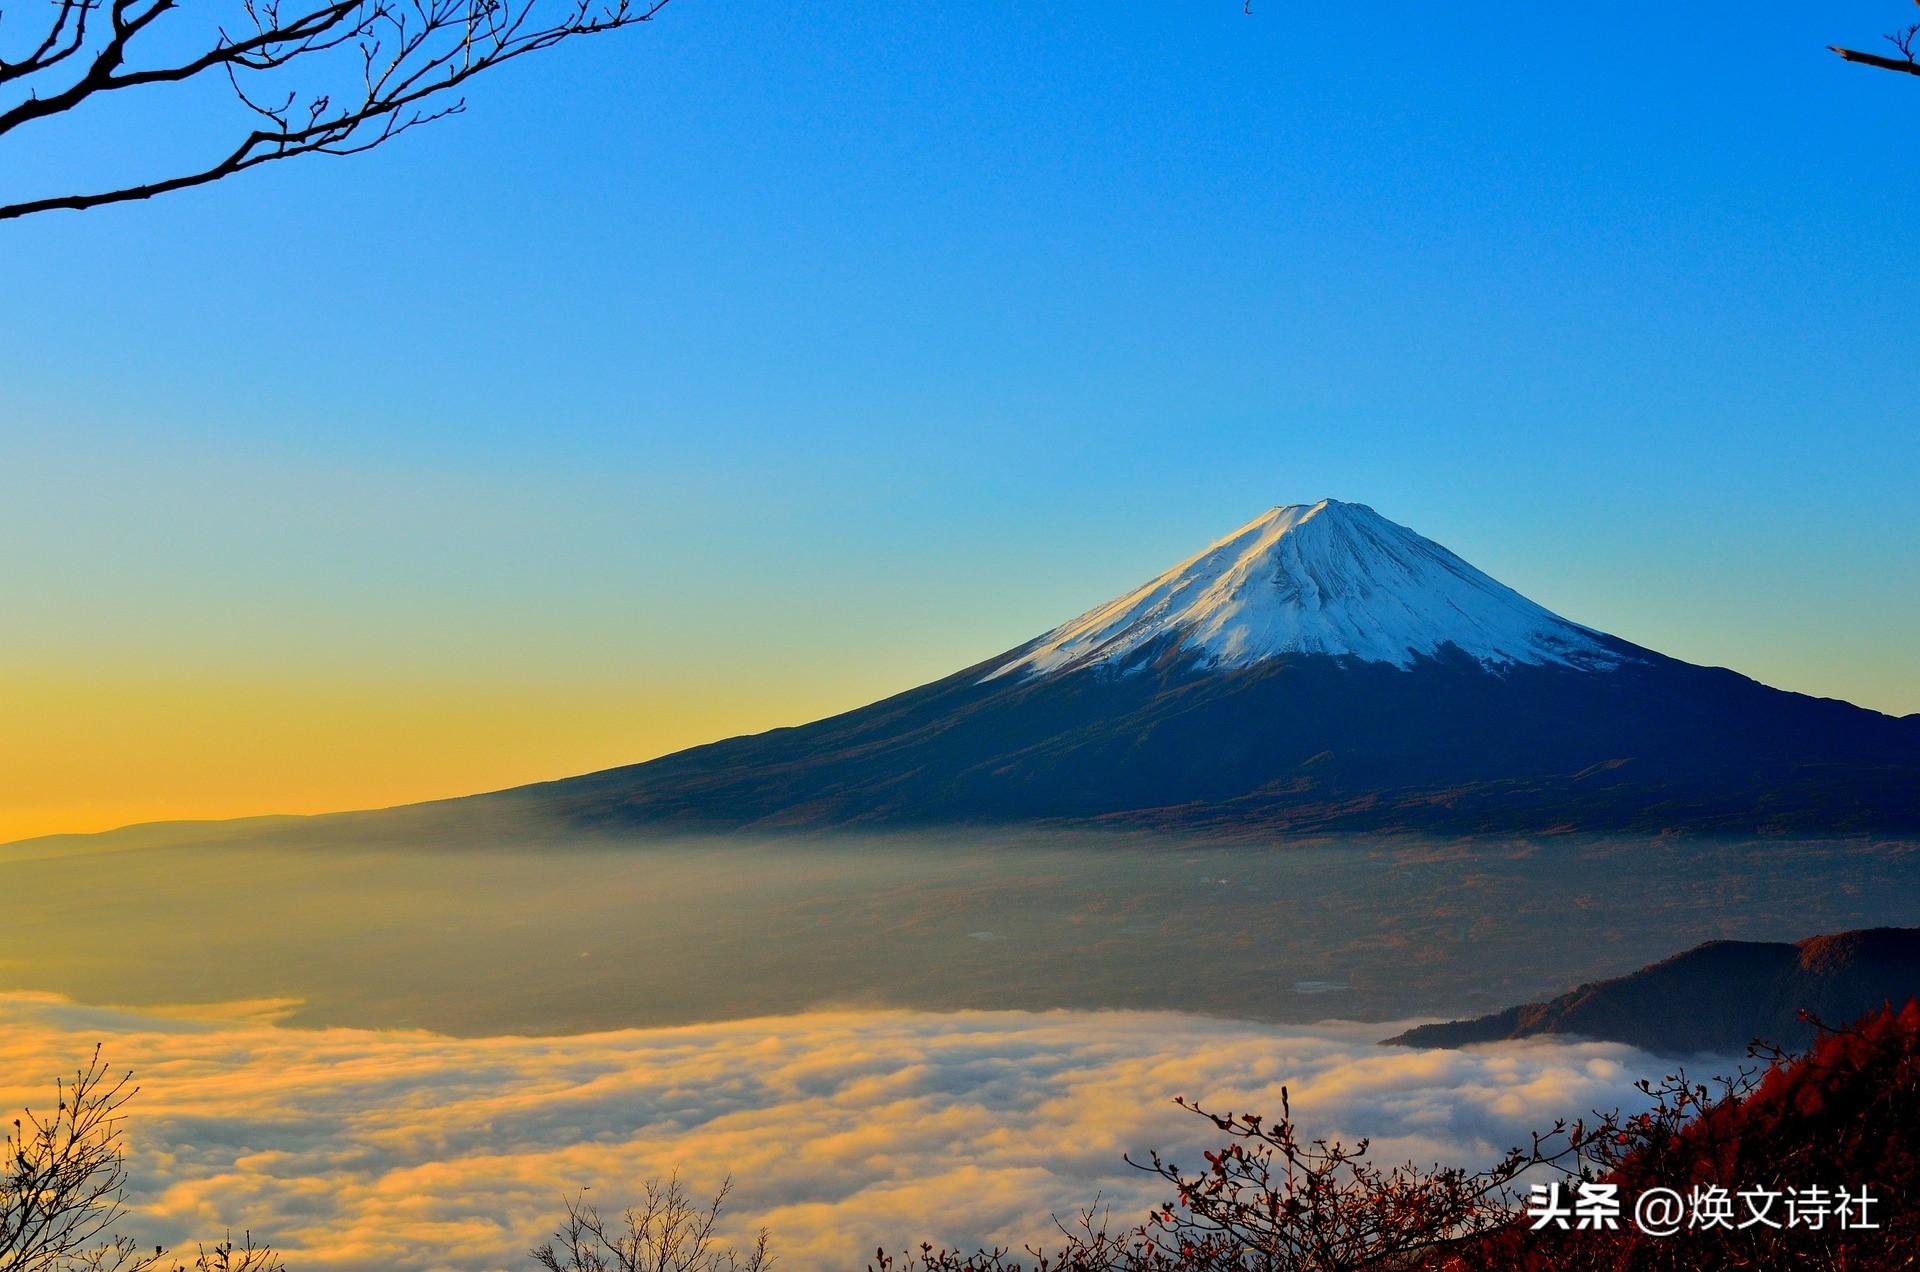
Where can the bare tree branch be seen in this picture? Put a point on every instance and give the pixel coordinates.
(63, 1188)
(1902, 42)
(667, 1232)
(1874, 59)
(333, 77)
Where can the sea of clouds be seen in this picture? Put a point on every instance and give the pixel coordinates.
(382, 1149)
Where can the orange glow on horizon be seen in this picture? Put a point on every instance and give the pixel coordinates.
(91, 752)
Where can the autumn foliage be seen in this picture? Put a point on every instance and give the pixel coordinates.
(1844, 1115)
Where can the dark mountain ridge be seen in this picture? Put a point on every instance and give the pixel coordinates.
(1298, 742)
(1319, 670)
(1716, 997)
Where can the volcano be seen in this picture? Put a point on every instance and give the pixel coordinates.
(1319, 669)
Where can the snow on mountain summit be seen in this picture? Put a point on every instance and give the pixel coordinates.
(1326, 578)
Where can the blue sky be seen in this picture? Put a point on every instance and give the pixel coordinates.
(780, 356)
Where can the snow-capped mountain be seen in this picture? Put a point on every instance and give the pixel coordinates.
(1326, 578)
(1320, 668)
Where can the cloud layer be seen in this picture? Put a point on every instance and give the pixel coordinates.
(360, 1149)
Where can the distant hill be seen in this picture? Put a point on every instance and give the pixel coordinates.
(1716, 997)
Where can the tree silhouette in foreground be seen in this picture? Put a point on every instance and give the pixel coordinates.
(668, 1232)
(1271, 1200)
(1903, 44)
(63, 1188)
(1847, 1113)
(329, 77)
(63, 1196)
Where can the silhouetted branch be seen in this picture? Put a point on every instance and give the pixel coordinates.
(63, 1187)
(1902, 41)
(667, 1232)
(378, 68)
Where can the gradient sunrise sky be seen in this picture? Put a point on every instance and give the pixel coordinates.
(770, 359)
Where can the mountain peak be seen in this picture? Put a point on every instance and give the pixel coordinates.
(1336, 506)
(1323, 578)
(1383, 725)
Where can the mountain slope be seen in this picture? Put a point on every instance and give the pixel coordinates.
(1716, 997)
(1320, 668)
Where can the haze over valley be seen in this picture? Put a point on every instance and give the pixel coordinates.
(401, 1053)
(481, 930)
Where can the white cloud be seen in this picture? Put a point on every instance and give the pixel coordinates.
(365, 1149)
